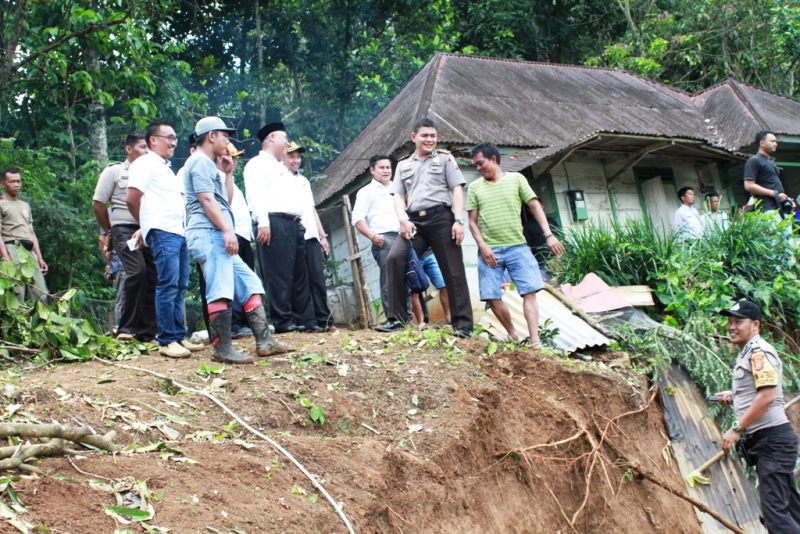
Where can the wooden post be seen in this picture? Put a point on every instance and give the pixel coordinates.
(357, 267)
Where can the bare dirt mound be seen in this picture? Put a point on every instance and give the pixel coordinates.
(420, 435)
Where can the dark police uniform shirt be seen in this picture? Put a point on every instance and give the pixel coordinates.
(426, 182)
(758, 365)
(763, 171)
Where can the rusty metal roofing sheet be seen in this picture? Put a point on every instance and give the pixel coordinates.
(573, 332)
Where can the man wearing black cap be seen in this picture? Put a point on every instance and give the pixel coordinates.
(213, 242)
(769, 440)
(275, 198)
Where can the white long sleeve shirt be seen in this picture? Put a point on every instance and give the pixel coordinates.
(271, 188)
(686, 222)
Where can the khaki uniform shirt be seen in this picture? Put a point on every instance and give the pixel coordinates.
(758, 365)
(112, 186)
(427, 182)
(16, 220)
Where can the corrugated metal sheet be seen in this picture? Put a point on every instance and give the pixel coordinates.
(525, 104)
(573, 332)
(695, 438)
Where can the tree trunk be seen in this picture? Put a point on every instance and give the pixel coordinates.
(8, 43)
(70, 135)
(262, 99)
(97, 115)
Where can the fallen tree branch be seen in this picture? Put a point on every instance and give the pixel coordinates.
(245, 425)
(78, 434)
(791, 402)
(20, 454)
(635, 466)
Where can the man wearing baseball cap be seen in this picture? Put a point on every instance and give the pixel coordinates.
(212, 241)
(770, 443)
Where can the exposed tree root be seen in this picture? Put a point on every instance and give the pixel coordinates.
(635, 466)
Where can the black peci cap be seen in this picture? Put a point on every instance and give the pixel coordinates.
(269, 128)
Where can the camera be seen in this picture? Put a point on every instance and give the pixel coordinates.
(787, 206)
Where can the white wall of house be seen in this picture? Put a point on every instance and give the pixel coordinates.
(586, 174)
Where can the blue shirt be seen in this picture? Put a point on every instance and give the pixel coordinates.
(200, 175)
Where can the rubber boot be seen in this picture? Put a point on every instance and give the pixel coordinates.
(219, 326)
(266, 345)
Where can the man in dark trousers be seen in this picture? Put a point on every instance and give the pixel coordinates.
(769, 440)
(762, 178)
(275, 197)
(138, 315)
(317, 247)
(428, 191)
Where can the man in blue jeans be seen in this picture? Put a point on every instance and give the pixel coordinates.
(493, 204)
(211, 238)
(155, 198)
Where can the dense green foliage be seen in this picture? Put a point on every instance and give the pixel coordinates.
(76, 76)
(49, 331)
(692, 281)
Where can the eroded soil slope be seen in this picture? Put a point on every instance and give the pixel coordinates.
(420, 435)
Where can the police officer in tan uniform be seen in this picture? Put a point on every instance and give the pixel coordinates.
(769, 440)
(428, 191)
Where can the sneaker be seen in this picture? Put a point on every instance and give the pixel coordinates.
(242, 332)
(124, 336)
(174, 350)
(331, 329)
(191, 347)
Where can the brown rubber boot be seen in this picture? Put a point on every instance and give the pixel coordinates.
(266, 345)
(219, 326)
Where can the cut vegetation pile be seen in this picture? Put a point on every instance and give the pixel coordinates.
(421, 434)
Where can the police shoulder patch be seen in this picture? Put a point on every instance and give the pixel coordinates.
(757, 360)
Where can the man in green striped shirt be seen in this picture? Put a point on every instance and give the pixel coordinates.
(494, 205)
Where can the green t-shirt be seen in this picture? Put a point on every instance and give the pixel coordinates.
(498, 206)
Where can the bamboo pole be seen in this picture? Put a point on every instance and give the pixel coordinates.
(357, 268)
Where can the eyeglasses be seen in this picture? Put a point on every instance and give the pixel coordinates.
(170, 138)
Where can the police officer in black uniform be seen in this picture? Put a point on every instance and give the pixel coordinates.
(769, 440)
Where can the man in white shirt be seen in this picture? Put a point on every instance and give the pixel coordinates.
(713, 218)
(374, 217)
(686, 222)
(316, 244)
(275, 198)
(155, 198)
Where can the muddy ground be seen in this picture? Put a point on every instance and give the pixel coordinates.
(421, 433)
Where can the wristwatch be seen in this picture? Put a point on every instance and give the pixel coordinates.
(460, 221)
(736, 426)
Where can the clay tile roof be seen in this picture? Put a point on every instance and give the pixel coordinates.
(548, 106)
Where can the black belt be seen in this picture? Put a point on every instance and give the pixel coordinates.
(293, 218)
(428, 211)
(758, 435)
(17, 242)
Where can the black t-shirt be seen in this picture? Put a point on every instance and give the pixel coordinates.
(765, 173)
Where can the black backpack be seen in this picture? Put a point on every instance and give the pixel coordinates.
(416, 279)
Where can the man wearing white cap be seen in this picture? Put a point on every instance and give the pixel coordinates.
(213, 242)
(275, 198)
